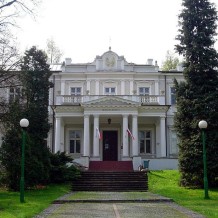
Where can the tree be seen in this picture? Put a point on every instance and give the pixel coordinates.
(33, 105)
(53, 52)
(197, 96)
(171, 62)
(10, 10)
(10, 150)
(35, 79)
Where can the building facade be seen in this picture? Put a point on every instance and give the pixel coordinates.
(113, 110)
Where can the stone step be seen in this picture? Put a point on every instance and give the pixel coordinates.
(111, 181)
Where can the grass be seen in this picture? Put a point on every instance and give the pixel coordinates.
(35, 201)
(166, 183)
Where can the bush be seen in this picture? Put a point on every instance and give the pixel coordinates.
(61, 170)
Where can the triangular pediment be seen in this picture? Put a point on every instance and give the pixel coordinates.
(110, 101)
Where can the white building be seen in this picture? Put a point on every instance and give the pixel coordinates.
(112, 110)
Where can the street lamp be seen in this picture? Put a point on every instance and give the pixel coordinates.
(203, 125)
(23, 123)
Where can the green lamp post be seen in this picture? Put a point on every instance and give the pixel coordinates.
(23, 123)
(203, 125)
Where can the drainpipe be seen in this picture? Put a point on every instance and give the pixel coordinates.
(53, 116)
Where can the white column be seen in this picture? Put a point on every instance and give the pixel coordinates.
(131, 88)
(88, 85)
(63, 88)
(62, 148)
(97, 87)
(57, 134)
(125, 137)
(86, 141)
(156, 87)
(122, 87)
(135, 149)
(96, 136)
(162, 137)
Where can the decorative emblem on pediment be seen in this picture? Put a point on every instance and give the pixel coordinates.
(110, 61)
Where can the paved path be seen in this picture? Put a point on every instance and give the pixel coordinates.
(115, 205)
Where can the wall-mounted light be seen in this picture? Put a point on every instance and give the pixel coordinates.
(109, 120)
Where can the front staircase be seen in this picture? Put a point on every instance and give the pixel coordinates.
(111, 177)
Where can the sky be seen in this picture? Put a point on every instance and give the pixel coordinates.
(82, 29)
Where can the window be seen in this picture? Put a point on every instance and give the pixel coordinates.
(110, 91)
(173, 143)
(173, 95)
(75, 141)
(14, 94)
(76, 91)
(144, 90)
(145, 142)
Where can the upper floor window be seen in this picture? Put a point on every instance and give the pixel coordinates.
(76, 91)
(110, 91)
(144, 90)
(75, 141)
(173, 143)
(14, 94)
(145, 142)
(173, 95)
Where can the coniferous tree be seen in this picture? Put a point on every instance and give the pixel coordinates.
(10, 150)
(35, 79)
(197, 96)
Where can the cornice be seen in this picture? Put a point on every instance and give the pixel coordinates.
(154, 108)
(69, 109)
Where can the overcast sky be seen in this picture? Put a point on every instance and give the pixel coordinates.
(82, 29)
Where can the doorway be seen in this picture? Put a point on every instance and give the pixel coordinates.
(110, 145)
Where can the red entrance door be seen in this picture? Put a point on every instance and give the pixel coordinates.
(110, 143)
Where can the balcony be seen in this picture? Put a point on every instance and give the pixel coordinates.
(78, 99)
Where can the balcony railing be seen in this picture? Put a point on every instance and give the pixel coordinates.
(78, 99)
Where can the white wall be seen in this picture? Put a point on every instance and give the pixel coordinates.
(162, 164)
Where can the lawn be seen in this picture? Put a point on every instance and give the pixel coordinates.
(166, 183)
(35, 201)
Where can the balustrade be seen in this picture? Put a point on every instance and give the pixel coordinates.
(77, 99)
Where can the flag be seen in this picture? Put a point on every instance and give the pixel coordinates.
(129, 132)
(98, 133)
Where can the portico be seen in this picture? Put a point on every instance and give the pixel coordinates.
(127, 120)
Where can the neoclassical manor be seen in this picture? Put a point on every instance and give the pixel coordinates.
(114, 110)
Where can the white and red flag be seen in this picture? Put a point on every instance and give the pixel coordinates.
(98, 133)
(130, 134)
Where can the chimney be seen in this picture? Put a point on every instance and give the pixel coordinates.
(149, 61)
(68, 61)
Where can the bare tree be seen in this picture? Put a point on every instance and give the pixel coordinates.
(53, 52)
(9, 55)
(10, 10)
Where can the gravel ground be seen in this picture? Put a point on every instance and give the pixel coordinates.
(154, 209)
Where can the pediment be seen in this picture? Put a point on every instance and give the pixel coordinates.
(109, 61)
(110, 101)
